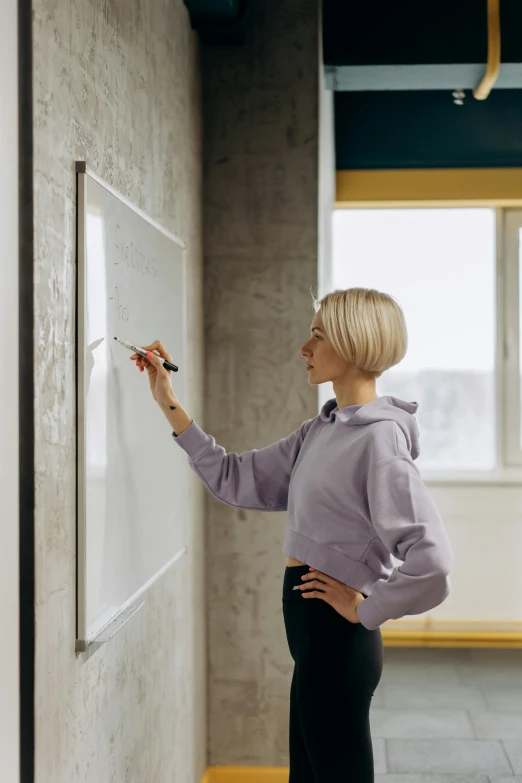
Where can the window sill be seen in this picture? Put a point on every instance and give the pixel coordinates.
(507, 477)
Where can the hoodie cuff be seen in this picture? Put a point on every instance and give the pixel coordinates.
(370, 615)
(193, 440)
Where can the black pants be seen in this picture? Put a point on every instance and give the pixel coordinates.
(338, 665)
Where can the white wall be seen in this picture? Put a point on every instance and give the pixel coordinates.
(9, 513)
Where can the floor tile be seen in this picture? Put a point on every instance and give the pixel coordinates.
(426, 655)
(496, 725)
(434, 675)
(378, 698)
(447, 756)
(421, 724)
(420, 697)
(492, 656)
(487, 674)
(513, 749)
(379, 755)
(503, 698)
(514, 779)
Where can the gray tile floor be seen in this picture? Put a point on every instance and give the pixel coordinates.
(448, 716)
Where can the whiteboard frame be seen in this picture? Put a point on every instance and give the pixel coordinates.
(83, 639)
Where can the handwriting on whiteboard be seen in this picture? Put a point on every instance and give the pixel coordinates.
(122, 311)
(132, 256)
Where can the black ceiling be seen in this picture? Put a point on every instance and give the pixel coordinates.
(425, 129)
(381, 32)
(422, 128)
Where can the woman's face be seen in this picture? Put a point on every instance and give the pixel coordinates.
(325, 363)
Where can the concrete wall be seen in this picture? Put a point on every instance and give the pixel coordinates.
(261, 192)
(116, 84)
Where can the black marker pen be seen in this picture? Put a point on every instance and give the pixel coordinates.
(141, 352)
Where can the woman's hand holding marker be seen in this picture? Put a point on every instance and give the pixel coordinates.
(161, 386)
(159, 377)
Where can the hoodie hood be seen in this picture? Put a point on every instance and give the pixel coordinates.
(381, 409)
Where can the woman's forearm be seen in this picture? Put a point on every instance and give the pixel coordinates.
(176, 415)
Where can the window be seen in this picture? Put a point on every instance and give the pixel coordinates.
(464, 349)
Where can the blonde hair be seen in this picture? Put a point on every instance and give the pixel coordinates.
(366, 328)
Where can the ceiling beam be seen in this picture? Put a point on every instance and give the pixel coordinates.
(361, 78)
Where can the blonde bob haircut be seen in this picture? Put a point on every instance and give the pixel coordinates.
(365, 327)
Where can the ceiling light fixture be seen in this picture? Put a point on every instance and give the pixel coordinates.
(458, 97)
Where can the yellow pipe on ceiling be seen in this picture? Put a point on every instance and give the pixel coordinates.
(493, 68)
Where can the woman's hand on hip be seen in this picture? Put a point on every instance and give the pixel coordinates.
(159, 377)
(342, 598)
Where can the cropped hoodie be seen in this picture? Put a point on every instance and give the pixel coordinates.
(354, 497)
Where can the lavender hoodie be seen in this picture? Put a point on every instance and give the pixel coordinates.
(353, 494)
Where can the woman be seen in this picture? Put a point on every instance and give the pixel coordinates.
(354, 497)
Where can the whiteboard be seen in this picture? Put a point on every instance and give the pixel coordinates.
(132, 502)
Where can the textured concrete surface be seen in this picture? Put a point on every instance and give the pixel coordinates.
(116, 84)
(261, 191)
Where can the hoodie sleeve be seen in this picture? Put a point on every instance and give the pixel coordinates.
(406, 520)
(257, 479)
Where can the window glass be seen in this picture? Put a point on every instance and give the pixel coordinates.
(440, 266)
